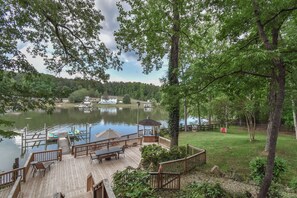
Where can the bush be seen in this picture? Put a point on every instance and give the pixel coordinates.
(274, 191)
(78, 95)
(164, 132)
(204, 190)
(293, 184)
(154, 154)
(126, 99)
(258, 166)
(132, 183)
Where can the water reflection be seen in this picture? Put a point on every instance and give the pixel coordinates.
(122, 120)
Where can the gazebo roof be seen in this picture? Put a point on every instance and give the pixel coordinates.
(149, 122)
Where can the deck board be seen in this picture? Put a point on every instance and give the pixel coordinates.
(69, 176)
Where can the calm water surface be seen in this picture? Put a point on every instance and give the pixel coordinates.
(122, 120)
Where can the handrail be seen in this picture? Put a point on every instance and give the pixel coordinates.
(165, 180)
(198, 156)
(16, 189)
(9, 177)
(101, 141)
(164, 142)
(84, 149)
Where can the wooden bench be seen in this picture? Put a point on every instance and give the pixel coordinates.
(107, 156)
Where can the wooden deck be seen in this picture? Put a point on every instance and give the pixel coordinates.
(69, 176)
(5, 192)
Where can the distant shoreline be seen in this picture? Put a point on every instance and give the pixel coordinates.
(73, 105)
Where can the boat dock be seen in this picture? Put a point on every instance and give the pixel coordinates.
(50, 136)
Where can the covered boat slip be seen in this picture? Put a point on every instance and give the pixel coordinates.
(69, 176)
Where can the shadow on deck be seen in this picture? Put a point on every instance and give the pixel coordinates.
(69, 176)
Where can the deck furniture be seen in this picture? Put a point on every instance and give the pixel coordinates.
(42, 166)
(93, 156)
(108, 153)
(122, 151)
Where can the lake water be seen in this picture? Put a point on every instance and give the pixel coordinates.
(122, 120)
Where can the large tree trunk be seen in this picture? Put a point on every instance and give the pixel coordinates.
(275, 125)
(277, 79)
(173, 77)
(199, 114)
(186, 114)
(272, 103)
(294, 117)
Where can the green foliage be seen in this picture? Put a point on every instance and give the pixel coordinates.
(79, 95)
(274, 191)
(293, 184)
(126, 99)
(132, 183)
(164, 132)
(154, 154)
(257, 167)
(204, 190)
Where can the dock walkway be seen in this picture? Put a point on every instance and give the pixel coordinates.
(63, 144)
(69, 176)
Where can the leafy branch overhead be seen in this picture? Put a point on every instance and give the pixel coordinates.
(64, 33)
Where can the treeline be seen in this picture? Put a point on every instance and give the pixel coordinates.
(63, 87)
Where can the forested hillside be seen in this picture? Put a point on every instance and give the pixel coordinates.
(63, 87)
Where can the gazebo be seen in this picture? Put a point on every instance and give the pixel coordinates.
(150, 130)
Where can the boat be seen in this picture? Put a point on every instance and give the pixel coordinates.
(52, 136)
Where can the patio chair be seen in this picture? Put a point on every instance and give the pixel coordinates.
(93, 156)
(40, 166)
(122, 151)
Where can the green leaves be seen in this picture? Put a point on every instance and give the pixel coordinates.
(136, 184)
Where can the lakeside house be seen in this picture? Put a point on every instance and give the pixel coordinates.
(108, 100)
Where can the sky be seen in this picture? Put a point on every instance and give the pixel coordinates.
(131, 70)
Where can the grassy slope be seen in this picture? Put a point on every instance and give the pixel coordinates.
(233, 151)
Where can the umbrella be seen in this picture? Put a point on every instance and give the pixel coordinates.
(108, 134)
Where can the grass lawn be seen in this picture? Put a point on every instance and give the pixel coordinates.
(234, 151)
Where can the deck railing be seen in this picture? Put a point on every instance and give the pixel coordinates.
(51, 155)
(164, 142)
(197, 157)
(16, 189)
(9, 177)
(85, 149)
(165, 180)
(101, 189)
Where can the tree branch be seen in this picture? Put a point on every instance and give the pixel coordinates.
(232, 73)
(277, 14)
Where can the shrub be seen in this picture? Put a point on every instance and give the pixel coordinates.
(205, 190)
(164, 132)
(126, 99)
(132, 183)
(293, 184)
(257, 167)
(78, 95)
(274, 191)
(154, 154)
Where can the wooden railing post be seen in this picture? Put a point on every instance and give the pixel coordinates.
(60, 155)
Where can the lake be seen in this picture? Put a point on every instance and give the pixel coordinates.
(122, 120)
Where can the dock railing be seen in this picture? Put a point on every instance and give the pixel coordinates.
(9, 177)
(85, 149)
